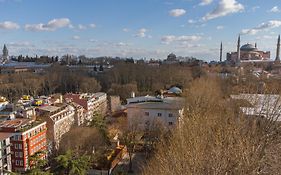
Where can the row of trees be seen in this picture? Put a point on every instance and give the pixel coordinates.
(144, 79)
(57, 79)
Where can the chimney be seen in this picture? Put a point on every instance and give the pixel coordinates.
(61, 98)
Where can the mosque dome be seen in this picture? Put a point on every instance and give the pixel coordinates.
(171, 57)
(175, 90)
(248, 47)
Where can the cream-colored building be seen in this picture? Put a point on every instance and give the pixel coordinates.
(147, 111)
(92, 103)
(60, 119)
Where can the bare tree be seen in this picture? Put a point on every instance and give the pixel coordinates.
(215, 140)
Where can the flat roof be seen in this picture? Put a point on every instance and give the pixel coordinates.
(15, 123)
(4, 135)
(49, 108)
(165, 103)
(20, 124)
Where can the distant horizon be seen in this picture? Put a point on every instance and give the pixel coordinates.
(139, 29)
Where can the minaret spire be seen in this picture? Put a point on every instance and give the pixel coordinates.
(238, 50)
(277, 59)
(221, 53)
(255, 45)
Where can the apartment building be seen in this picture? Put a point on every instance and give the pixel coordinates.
(5, 153)
(92, 103)
(29, 137)
(146, 112)
(60, 119)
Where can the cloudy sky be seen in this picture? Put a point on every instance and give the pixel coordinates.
(139, 28)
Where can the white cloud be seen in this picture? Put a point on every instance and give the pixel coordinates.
(225, 7)
(167, 39)
(126, 30)
(82, 27)
(177, 12)
(93, 40)
(275, 9)
(9, 25)
(71, 26)
(220, 27)
(263, 26)
(255, 8)
(205, 2)
(141, 33)
(50, 26)
(191, 21)
(20, 44)
(76, 37)
(93, 25)
(168, 3)
(265, 37)
(121, 44)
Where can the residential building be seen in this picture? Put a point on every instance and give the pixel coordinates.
(7, 112)
(147, 111)
(95, 103)
(260, 105)
(114, 104)
(79, 114)
(29, 137)
(5, 154)
(59, 118)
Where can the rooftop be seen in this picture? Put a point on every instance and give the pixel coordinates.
(157, 103)
(264, 105)
(248, 47)
(20, 124)
(49, 108)
(4, 135)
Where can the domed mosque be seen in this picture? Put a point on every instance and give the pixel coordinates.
(248, 53)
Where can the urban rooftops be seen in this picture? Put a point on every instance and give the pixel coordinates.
(18, 125)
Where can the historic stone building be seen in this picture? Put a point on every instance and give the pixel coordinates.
(247, 53)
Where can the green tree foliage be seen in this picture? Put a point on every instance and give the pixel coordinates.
(99, 123)
(71, 164)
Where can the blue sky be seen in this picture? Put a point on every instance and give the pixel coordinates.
(137, 28)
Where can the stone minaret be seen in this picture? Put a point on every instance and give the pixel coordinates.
(255, 45)
(221, 53)
(238, 50)
(277, 59)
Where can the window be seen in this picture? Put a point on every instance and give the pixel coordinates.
(159, 114)
(21, 163)
(20, 154)
(170, 115)
(16, 146)
(20, 146)
(17, 162)
(16, 154)
(146, 113)
(170, 123)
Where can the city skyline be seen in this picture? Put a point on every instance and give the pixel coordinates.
(139, 29)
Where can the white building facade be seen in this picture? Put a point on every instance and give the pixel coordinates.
(147, 112)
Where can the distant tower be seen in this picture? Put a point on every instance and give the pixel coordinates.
(277, 59)
(5, 54)
(238, 51)
(255, 45)
(221, 53)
